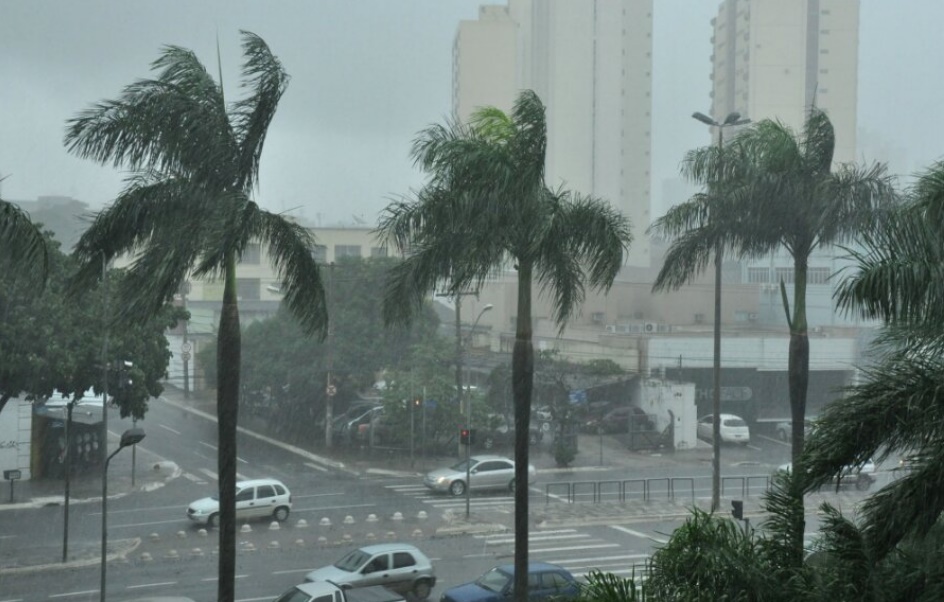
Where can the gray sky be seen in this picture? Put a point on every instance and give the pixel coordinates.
(368, 74)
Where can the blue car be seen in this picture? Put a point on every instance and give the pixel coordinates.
(545, 581)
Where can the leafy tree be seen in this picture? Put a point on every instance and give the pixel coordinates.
(49, 343)
(188, 209)
(897, 408)
(485, 207)
(22, 245)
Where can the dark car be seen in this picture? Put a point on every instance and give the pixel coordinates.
(346, 426)
(500, 432)
(545, 582)
(623, 419)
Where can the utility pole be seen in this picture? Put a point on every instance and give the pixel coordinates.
(330, 389)
(184, 289)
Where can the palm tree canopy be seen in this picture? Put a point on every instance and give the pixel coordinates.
(187, 206)
(486, 205)
(22, 245)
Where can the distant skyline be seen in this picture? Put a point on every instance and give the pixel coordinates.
(367, 75)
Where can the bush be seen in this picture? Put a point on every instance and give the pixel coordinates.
(564, 454)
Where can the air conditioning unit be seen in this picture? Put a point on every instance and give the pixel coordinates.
(597, 317)
(752, 316)
(699, 318)
(611, 328)
(665, 328)
(651, 327)
(625, 328)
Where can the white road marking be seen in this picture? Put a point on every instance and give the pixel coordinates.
(151, 585)
(534, 534)
(635, 533)
(165, 427)
(599, 558)
(242, 477)
(316, 467)
(88, 591)
(210, 474)
(13, 600)
(317, 495)
(238, 459)
(564, 549)
(213, 447)
(545, 538)
(237, 577)
(194, 478)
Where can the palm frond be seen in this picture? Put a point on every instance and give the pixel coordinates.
(22, 245)
(264, 76)
(819, 142)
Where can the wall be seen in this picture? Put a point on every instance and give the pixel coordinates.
(15, 437)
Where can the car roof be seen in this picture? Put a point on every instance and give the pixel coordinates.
(484, 457)
(533, 567)
(380, 548)
(257, 482)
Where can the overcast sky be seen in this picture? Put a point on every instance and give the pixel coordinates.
(368, 74)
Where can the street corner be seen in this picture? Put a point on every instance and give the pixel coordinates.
(161, 473)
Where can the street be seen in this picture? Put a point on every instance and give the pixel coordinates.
(608, 516)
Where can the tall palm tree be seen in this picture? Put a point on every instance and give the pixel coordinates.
(22, 245)
(486, 205)
(795, 200)
(897, 409)
(188, 209)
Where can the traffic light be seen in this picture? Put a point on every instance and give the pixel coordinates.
(466, 436)
(737, 509)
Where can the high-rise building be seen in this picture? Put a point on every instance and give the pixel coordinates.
(773, 59)
(590, 62)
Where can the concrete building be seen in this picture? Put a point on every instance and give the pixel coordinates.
(591, 65)
(773, 59)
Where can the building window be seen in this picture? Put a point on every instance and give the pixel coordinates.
(320, 254)
(784, 274)
(248, 289)
(817, 275)
(758, 275)
(378, 251)
(346, 251)
(251, 255)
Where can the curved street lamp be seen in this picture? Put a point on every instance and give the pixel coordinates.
(130, 437)
(733, 119)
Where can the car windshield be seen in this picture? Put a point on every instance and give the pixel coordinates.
(352, 561)
(294, 595)
(460, 466)
(734, 422)
(495, 580)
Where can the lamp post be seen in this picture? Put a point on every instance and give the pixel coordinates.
(732, 119)
(131, 436)
(468, 425)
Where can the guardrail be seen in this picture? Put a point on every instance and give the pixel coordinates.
(645, 488)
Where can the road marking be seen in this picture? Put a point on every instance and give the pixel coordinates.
(213, 447)
(333, 507)
(504, 540)
(236, 577)
(551, 532)
(635, 533)
(13, 600)
(210, 473)
(318, 495)
(238, 459)
(207, 458)
(292, 571)
(598, 558)
(564, 549)
(151, 585)
(241, 477)
(316, 467)
(194, 478)
(165, 427)
(88, 591)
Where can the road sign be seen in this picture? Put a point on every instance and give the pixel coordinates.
(186, 348)
(11, 475)
(185, 355)
(331, 390)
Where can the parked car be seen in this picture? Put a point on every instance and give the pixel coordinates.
(543, 418)
(485, 472)
(259, 498)
(500, 432)
(545, 582)
(347, 427)
(861, 476)
(784, 429)
(622, 419)
(733, 429)
(397, 566)
(323, 591)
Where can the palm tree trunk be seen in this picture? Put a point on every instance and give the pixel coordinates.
(227, 409)
(716, 390)
(798, 368)
(522, 379)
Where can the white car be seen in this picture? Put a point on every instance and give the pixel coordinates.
(733, 429)
(485, 472)
(259, 498)
(861, 476)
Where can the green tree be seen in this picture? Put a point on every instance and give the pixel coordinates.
(22, 244)
(188, 209)
(898, 278)
(486, 207)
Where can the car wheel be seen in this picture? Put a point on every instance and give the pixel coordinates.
(489, 442)
(421, 589)
(280, 514)
(213, 521)
(863, 483)
(782, 435)
(457, 488)
(511, 486)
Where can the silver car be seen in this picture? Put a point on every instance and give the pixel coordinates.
(396, 566)
(485, 472)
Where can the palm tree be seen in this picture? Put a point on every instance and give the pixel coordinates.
(188, 209)
(793, 199)
(22, 245)
(486, 205)
(897, 409)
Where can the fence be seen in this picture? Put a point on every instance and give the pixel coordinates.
(645, 489)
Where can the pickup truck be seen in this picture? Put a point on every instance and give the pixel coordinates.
(325, 591)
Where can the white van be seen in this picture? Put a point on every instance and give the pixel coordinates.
(259, 498)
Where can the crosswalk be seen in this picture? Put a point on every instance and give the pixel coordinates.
(577, 551)
(502, 503)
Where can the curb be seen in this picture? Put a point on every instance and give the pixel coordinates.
(129, 546)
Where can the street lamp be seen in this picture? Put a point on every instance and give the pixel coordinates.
(733, 119)
(130, 437)
(468, 405)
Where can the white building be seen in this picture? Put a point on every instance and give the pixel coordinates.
(591, 65)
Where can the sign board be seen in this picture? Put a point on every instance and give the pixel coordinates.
(186, 348)
(331, 391)
(11, 475)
